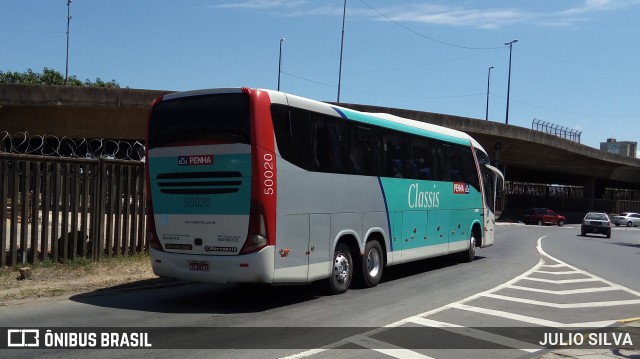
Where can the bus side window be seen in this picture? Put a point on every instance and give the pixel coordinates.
(293, 135)
(469, 170)
(455, 164)
(397, 160)
(424, 160)
(328, 143)
(364, 150)
(443, 152)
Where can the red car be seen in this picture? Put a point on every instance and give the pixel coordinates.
(542, 216)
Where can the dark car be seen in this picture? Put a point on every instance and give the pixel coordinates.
(542, 216)
(595, 222)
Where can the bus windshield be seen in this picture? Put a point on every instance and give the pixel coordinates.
(217, 118)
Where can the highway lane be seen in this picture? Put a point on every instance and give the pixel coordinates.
(405, 291)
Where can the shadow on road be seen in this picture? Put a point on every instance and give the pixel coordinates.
(627, 244)
(170, 296)
(591, 236)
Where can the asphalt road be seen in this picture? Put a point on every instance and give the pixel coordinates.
(428, 293)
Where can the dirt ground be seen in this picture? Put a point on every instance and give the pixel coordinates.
(80, 276)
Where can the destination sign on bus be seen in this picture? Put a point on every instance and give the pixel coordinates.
(195, 160)
(460, 188)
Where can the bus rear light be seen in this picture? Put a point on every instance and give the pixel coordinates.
(154, 242)
(152, 235)
(257, 235)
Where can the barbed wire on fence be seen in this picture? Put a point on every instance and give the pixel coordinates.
(50, 145)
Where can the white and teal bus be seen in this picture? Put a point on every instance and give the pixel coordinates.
(259, 186)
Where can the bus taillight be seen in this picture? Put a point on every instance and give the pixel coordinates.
(257, 235)
(152, 235)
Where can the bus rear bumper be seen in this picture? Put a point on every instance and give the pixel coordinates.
(250, 268)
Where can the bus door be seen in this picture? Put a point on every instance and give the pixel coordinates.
(490, 176)
(302, 252)
(319, 248)
(292, 248)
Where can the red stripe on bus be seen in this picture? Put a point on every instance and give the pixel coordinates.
(264, 172)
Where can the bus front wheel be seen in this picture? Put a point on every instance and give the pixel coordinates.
(469, 255)
(372, 263)
(341, 270)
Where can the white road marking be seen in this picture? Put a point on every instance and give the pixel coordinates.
(562, 281)
(553, 265)
(476, 333)
(387, 349)
(611, 303)
(565, 292)
(558, 273)
(306, 353)
(541, 251)
(532, 320)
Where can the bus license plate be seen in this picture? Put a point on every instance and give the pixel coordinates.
(199, 266)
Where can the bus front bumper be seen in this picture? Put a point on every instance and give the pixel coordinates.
(249, 268)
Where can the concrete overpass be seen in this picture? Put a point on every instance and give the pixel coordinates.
(525, 155)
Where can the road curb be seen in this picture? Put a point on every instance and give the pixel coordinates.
(627, 321)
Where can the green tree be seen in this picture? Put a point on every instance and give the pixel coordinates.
(50, 77)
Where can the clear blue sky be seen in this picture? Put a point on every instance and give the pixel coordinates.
(577, 62)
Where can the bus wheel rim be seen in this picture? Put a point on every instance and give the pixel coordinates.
(472, 247)
(373, 263)
(341, 267)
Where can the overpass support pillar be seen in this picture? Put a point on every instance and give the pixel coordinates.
(593, 189)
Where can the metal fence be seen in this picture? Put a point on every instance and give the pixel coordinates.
(63, 208)
(556, 130)
(568, 200)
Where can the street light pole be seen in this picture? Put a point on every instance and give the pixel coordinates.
(66, 71)
(510, 43)
(486, 117)
(280, 62)
(344, 15)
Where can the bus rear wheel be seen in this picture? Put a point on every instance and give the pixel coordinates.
(341, 270)
(372, 264)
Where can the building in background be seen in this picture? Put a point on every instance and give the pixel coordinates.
(624, 148)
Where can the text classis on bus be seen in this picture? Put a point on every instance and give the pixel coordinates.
(422, 199)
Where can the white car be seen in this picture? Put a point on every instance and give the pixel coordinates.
(627, 218)
(595, 222)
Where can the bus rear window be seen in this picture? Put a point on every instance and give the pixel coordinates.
(214, 118)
